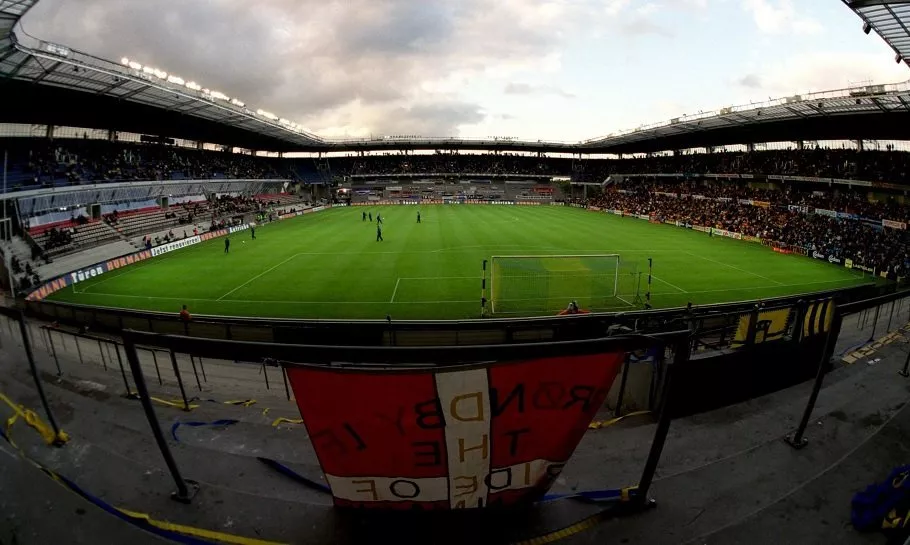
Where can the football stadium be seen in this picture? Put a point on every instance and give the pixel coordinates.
(354, 320)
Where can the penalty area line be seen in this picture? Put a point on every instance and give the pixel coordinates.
(260, 275)
(392, 300)
(674, 286)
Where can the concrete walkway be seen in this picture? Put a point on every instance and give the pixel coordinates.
(725, 476)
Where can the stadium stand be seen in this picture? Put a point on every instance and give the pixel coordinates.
(872, 165)
(841, 226)
(37, 163)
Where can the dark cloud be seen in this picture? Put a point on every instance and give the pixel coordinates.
(329, 64)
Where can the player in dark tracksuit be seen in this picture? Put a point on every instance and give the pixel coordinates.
(371, 217)
(227, 245)
(418, 216)
(378, 232)
(364, 217)
(379, 219)
(253, 232)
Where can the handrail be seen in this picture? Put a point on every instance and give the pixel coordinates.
(449, 355)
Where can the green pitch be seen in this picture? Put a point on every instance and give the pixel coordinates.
(329, 264)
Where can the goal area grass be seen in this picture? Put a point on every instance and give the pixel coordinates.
(329, 265)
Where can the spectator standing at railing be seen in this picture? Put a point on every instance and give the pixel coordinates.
(185, 315)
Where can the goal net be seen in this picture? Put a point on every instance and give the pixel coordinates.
(547, 284)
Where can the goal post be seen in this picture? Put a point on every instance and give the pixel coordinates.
(539, 284)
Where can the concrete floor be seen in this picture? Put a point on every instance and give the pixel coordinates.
(724, 477)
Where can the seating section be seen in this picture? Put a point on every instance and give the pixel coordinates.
(145, 222)
(63, 240)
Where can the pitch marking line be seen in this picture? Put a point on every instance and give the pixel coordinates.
(674, 286)
(263, 273)
(279, 302)
(392, 300)
(736, 268)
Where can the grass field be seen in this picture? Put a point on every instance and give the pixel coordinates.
(328, 265)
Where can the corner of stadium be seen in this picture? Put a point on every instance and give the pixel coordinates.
(219, 327)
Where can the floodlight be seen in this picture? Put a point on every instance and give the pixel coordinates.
(135, 65)
(176, 79)
(125, 61)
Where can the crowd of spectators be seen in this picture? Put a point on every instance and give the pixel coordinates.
(57, 238)
(892, 166)
(90, 161)
(773, 218)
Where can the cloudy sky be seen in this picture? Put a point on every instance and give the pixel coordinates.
(538, 69)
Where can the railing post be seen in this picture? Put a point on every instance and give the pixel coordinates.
(186, 404)
(680, 357)
(79, 350)
(874, 323)
(195, 373)
(622, 387)
(186, 489)
(202, 368)
(54, 352)
(284, 376)
(157, 369)
(59, 439)
(797, 440)
(265, 372)
(129, 394)
(891, 315)
(101, 351)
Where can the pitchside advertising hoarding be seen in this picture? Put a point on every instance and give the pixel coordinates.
(476, 436)
(104, 267)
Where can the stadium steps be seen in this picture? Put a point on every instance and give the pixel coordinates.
(119, 234)
(718, 468)
(84, 258)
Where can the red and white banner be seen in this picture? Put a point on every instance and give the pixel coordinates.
(483, 435)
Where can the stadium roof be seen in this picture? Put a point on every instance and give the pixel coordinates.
(890, 20)
(56, 85)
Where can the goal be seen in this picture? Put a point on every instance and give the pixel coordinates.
(538, 284)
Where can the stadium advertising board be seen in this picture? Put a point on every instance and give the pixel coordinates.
(493, 434)
(829, 258)
(171, 246)
(86, 273)
(643, 217)
(797, 208)
(103, 267)
(825, 212)
(728, 234)
(594, 208)
(749, 238)
(747, 202)
(762, 204)
(894, 224)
